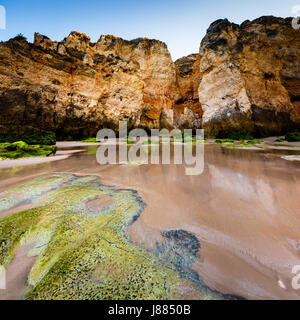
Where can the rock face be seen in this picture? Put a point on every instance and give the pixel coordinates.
(246, 79)
(187, 108)
(76, 87)
(250, 77)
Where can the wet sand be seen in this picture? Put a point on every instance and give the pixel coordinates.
(29, 161)
(72, 144)
(244, 209)
(16, 274)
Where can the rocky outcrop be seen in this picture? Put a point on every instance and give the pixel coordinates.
(250, 77)
(246, 79)
(187, 108)
(75, 87)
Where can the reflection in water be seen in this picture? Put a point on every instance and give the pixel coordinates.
(244, 211)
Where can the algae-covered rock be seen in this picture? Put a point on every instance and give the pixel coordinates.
(292, 137)
(21, 149)
(31, 137)
(82, 249)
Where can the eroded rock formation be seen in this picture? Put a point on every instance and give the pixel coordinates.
(76, 87)
(187, 108)
(250, 77)
(246, 79)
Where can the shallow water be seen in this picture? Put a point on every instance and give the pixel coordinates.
(244, 209)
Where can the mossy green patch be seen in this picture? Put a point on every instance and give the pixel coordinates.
(229, 143)
(186, 139)
(90, 140)
(253, 142)
(240, 136)
(31, 137)
(280, 140)
(224, 141)
(128, 141)
(292, 137)
(21, 149)
(151, 141)
(83, 253)
(189, 139)
(178, 140)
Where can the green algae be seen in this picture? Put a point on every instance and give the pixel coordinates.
(240, 136)
(21, 149)
(241, 144)
(151, 141)
(32, 190)
(224, 141)
(90, 140)
(128, 141)
(253, 142)
(238, 142)
(189, 139)
(292, 137)
(83, 253)
(31, 137)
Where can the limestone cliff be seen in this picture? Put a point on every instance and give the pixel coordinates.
(187, 108)
(250, 77)
(75, 87)
(246, 79)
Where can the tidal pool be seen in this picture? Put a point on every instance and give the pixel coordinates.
(72, 229)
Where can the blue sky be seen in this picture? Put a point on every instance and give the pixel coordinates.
(181, 24)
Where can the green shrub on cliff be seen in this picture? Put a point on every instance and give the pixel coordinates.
(31, 137)
(292, 137)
